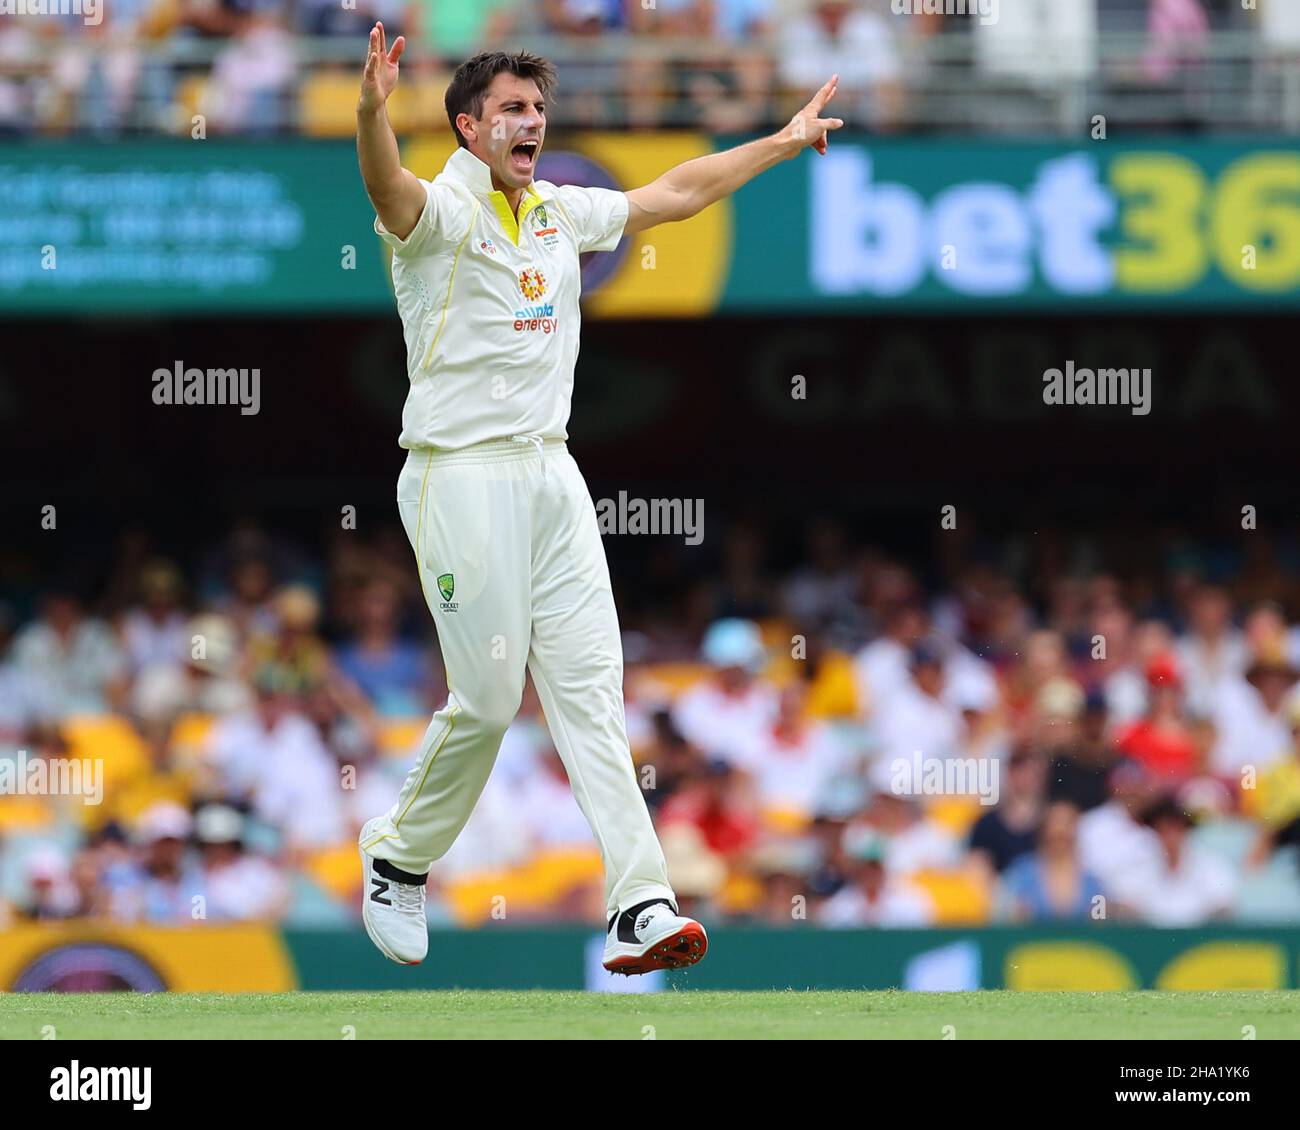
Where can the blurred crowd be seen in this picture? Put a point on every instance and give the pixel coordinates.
(270, 66)
(1129, 742)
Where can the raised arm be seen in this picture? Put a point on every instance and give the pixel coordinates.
(693, 185)
(396, 193)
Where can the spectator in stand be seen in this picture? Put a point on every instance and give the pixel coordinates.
(70, 662)
(724, 93)
(162, 885)
(1162, 740)
(51, 893)
(453, 32)
(153, 632)
(914, 841)
(272, 759)
(205, 682)
(671, 761)
(1275, 802)
(1050, 883)
(247, 604)
(241, 886)
(882, 665)
(394, 673)
(1251, 718)
(1182, 884)
(1113, 840)
(1178, 32)
(590, 79)
(1212, 652)
(1121, 672)
(1005, 833)
(399, 17)
(547, 808)
(794, 758)
(725, 714)
(294, 643)
(249, 91)
(1080, 768)
(918, 716)
(874, 895)
(843, 37)
(717, 803)
(822, 591)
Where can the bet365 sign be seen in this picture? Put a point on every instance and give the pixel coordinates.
(913, 223)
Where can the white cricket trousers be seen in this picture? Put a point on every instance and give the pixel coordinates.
(514, 572)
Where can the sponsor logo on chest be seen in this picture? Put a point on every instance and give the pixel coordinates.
(543, 231)
(534, 316)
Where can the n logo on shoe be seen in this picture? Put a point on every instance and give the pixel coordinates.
(380, 890)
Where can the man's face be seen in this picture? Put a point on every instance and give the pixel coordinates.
(509, 136)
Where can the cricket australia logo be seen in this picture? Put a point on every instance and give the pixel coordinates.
(532, 283)
(447, 586)
(543, 229)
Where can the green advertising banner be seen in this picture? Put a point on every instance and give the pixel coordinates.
(200, 226)
(1110, 224)
(225, 226)
(84, 955)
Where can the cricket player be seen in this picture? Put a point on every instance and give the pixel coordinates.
(486, 277)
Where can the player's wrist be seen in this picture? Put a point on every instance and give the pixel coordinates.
(786, 144)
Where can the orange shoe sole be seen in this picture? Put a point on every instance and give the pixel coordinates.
(676, 951)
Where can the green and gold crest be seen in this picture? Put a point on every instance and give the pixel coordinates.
(447, 585)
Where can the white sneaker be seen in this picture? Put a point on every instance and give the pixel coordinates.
(392, 908)
(653, 936)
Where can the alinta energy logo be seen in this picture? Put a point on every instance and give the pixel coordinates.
(532, 283)
(530, 319)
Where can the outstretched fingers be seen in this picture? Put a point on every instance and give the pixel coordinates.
(825, 94)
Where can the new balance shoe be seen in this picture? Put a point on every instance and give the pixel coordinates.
(392, 907)
(650, 936)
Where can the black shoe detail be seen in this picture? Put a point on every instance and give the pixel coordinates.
(397, 875)
(627, 920)
(381, 888)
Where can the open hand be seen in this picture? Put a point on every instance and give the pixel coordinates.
(380, 76)
(808, 127)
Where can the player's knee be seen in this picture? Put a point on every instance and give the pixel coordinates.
(495, 713)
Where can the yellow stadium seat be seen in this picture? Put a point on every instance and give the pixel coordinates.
(543, 880)
(677, 678)
(959, 899)
(955, 813)
(25, 814)
(400, 737)
(336, 869)
(327, 104)
(109, 738)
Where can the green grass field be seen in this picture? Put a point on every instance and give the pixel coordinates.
(664, 1016)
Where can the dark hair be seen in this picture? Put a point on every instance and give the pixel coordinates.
(469, 84)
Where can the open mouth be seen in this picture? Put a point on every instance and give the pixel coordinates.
(524, 155)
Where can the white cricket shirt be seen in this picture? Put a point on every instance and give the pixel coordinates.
(489, 305)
